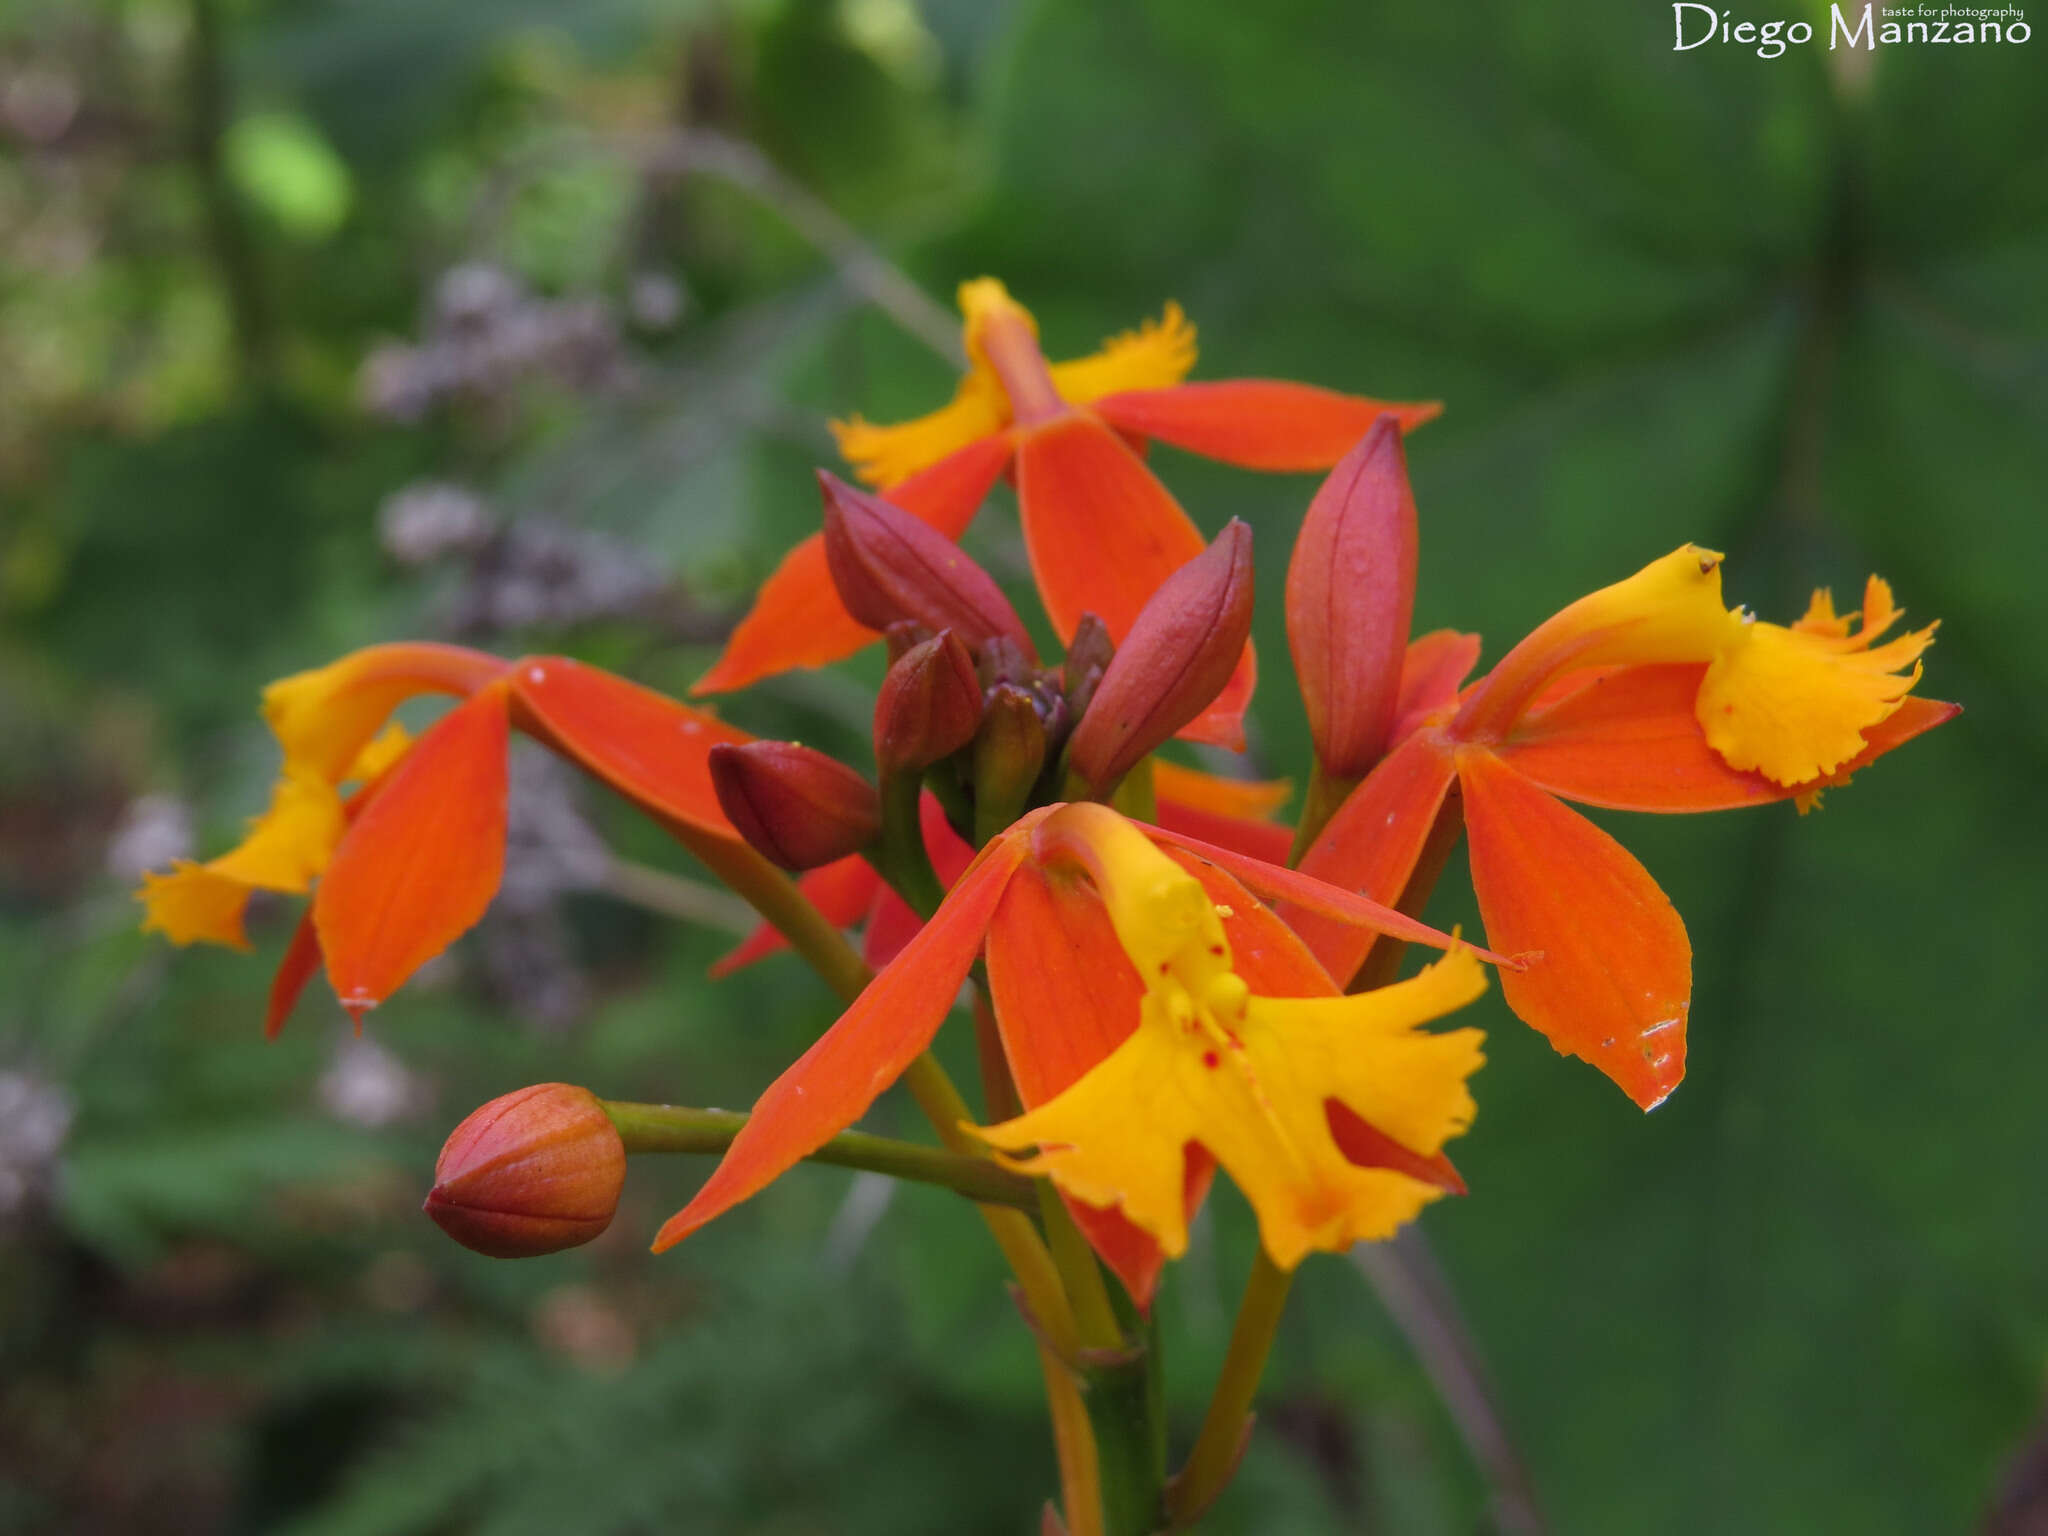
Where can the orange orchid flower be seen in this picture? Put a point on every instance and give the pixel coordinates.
(1101, 531)
(408, 862)
(1648, 695)
(1127, 960)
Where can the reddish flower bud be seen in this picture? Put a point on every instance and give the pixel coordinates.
(1180, 652)
(793, 804)
(533, 1172)
(930, 705)
(1350, 597)
(889, 566)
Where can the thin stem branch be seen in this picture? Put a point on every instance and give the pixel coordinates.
(865, 270)
(676, 896)
(1073, 1439)
(649, 1128)
(1412, 1286)
(1213, 1461)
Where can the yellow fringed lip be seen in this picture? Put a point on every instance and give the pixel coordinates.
(1004, 363)
(1790, 702)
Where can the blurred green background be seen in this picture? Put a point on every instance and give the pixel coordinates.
(330, 321)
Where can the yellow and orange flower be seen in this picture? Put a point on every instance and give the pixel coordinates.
(1102, 532)
(1158, 1018)
(410, 861)
(1648, 695)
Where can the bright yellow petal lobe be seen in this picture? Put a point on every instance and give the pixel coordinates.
(387, 749)
(1157, 355)
(1008, 380)
(1793, 704)
(287, 846)
(1247, 1077)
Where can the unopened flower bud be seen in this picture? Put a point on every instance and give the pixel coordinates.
(793, 804)
(1350, 598)
(890, 566)
(1179, 653)
(1089, 654)
(533, 1172)
(930, 705)
(1009, 751)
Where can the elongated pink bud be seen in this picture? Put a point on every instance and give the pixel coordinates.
(1350, 599)
(792, 803)
(533, 1172)
(1180, 652)
(930, 705)
(889, 567)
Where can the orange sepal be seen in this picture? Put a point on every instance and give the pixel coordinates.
(1104, 535)
(1258, 423)
(1432, 672)
(832, 1084)
(1370, 1147)
(797, 619)
(651, 749)
(842, 890)
(421, 862)
(301, 960)
(1372, 844)
(1613, 983)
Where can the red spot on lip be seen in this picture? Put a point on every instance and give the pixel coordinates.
(1209, 1060)
(1216, 950)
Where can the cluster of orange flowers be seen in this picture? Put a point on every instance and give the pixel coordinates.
(1177, 980)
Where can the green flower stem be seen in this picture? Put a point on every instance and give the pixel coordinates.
(899, 854)
(1122, 1408)
(667, 1128)
(1326, 793)
(1212, 1462)
(1131, 1454)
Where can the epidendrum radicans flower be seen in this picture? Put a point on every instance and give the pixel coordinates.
(1150, 1003)
(1648, 695)
(1103, 534)
(408, 862)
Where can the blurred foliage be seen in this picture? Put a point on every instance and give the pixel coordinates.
(322, 323)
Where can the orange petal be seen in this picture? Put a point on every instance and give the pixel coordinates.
(1103, 535)
(842, 890)
(651, 749)
(833, 1083)
(1629, 739)
(1371, 846)
(1241, 799)
(797, 619)
(1279, 885)
(301, 960)
(1265, 841)
(1432, 672)
(1613, 984)
(422, 860)
(1257, 423)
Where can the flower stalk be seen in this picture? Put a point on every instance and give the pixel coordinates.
(669, 1128)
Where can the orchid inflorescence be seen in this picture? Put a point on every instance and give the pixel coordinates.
(1167, 979)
